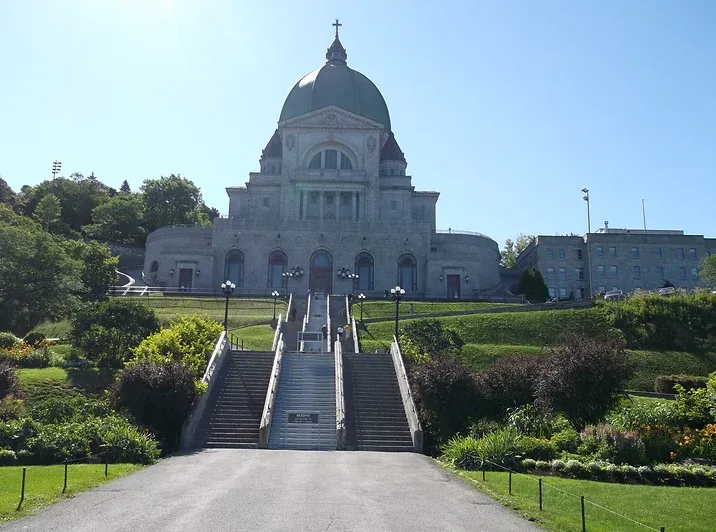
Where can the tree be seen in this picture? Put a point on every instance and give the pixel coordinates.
(513, 249)
(708, 272)
(7, 195)
(48, 211)
(99, 266)
(583, 378)
(38, 279)
(532, 286)
(172, 200)
(108, 331)
(120, 220)
(125, 189)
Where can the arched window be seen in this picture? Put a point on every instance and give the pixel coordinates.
(234, 267)
(364, 269)
(330, 160)
(321, 259)
(408, 273)
(277, 264)
(154, 267)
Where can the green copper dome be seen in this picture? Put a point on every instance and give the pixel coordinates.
(336, 84)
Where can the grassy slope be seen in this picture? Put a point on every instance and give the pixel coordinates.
(40, 383)
(256, 337)
(677, 509)
(43, 484)
(378, 309)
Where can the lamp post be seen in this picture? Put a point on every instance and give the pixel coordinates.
(275, 295)
(354, 280)
(228, 288)
(398, 294)
(56, 166)
(589, 243)
(361, 298)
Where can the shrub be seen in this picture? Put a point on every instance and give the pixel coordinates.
(9, 383)
(7, 457)
(566, 440)
(108, 331)
(665, 383)
(427, 338)
(583, 378)
(533, 421)
(447, 399)
(12, 407)
(8, 340)
(125, 443)
(500, 448)
(536, 448)
(463, 452)
(613, 444)
(532, 285)
(189, 339)
(509, 383)
(158, 396)
(66, 408)
(37, 357)
(34, 338)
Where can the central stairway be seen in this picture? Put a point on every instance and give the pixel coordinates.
(304, 415)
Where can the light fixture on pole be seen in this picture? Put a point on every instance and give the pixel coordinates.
(398, 294)
(228, 288)
(354, 278)
(56, 166)
(589, 241)
(275, 295)
(361, 298)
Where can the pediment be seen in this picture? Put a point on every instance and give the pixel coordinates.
(330, 117)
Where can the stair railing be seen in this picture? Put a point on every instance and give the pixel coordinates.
(277, 332)
(354, 328)
(191, 423)
(416, 431)
(302, 347)
(327, 341)
(265, 426)
(340, 399)
(288, 308)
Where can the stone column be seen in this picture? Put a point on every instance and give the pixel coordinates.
(304, 200)
(322, 200)
(354, 213)
(336, 200)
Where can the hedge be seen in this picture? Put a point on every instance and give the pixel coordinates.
(666, 383)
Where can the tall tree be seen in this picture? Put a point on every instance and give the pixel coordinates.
(120, 220)
(172, 200)
(532, 286)
(708, 272)
(99, 266)
(48, 212)
(7, 195)
(125, 189)
(513, 249)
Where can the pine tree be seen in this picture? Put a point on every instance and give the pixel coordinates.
(125, 189)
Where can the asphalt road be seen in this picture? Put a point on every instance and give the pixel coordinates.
(236, 490)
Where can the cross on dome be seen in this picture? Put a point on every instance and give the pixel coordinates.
(337, 25)
(336, 53)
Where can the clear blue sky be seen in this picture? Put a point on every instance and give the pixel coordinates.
(507, 108)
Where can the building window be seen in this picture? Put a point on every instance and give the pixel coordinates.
(694, 273)
(234, 267)
(273, 168)
(277, 264)
(682, 272)
(637, 272)
(392, 171)
(635, 253)
(364, 269)
(679, 253)
(329, 199)
(154, 268)
(393, 205)
(346, 163)
(600, 270)
(578, 254)
(613, 252)
(579, 274)
(552, 292)
(561, 253)
(550, 253)
(550, 274)
(563, 293)
(407, 273)
(330, 160)
(657, 253)
(692, 253)
(613, 271)
(345, 199)
(266, 204)
(660, 272)
(315, 162)
(313, 198)
(562, 274)
(582, 293)
(600, 252)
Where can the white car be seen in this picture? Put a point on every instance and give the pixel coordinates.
(667, 291)
(614, 295)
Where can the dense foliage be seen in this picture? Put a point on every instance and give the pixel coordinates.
(532, 286)
(667, 383)
(421, 339)
(509, 383)
(9, 383)
(708, 271)
(157, 395)
(107, 332)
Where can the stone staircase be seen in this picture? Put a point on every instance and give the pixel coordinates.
(304, 415)
(233, 414)
(375, 415)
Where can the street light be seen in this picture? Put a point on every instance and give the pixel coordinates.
(589, 243)
(294, 273)
(361, 298)
(228, 288)
(56, 168)
(398, 294)
(275, 295)
(354, 281)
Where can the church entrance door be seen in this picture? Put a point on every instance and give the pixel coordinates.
(185, 277)
(320, 278)
(453, 286)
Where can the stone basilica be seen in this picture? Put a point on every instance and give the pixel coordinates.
(331, 209)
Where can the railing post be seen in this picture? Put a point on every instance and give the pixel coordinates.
(510, 483)
(64, 488)
(540, 495)
(584, 517)
(22, 490)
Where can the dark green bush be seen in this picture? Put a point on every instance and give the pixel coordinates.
(34, 338)
(9, 383)
(66, 408)
(38, 357)
(665, 383)
(7, 457)
(566, 440)
(613, 444)
(536, 448)
(157, 396)
(509, 383)
(428, 338)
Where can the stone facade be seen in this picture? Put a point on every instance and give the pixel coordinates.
(332, 197)
(624, 259)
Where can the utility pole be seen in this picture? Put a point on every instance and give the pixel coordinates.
(589, 242)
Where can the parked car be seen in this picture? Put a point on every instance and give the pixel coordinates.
(667, 291)
(614, 295)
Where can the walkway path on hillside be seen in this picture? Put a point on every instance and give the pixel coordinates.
(251, 490)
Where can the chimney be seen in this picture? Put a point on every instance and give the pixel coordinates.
(606, 226)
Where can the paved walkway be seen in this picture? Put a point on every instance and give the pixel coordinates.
(249, 490)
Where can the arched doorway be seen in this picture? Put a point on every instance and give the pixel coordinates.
(320, 278)
(277, 264)
(364, 269)
(408, 273)
(234, 267)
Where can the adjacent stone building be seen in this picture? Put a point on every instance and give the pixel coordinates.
(331, 209)
(619, 259)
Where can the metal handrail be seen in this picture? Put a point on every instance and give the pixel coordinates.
(277, 332)
(265, 426)
(460, 232)
(340, 399)
(327, 341)
(408, 403)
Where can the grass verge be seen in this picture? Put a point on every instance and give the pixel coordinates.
(53, 382)
(255, 337)
(677, 509)
(382, 309)
(43, 484)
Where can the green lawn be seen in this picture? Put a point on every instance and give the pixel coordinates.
(255, 337)
(43, 484)
(676, 509)
(379, 309)
(651, 364)
(53, 382)
(53, 329)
